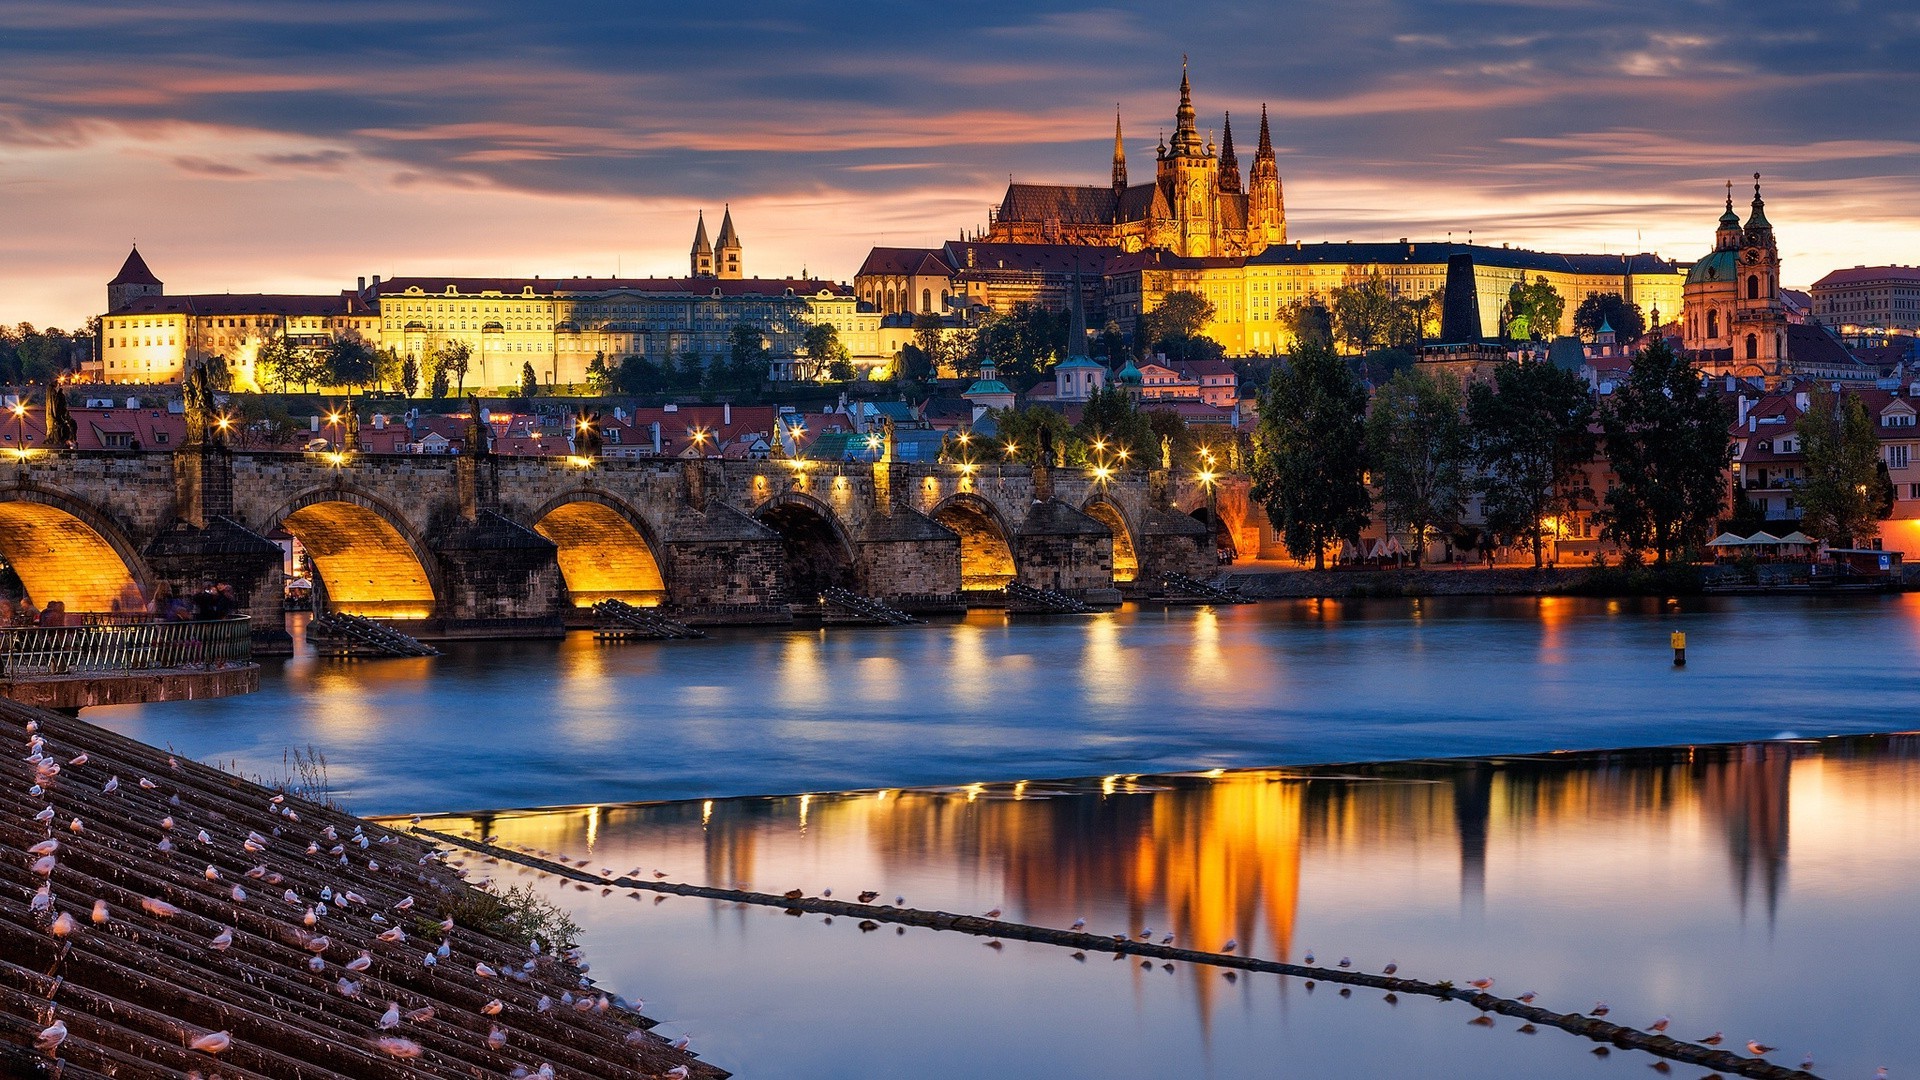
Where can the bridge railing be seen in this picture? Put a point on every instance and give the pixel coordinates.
(50, 651)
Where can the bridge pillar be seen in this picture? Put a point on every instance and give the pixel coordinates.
(500, 579)
(1058, 547)
(1173, 543)
(205, 544)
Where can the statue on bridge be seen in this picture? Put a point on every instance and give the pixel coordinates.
(1166, 452)
(886, 438)
(1046, 446)
(479, 435)
(196, 393)
(61, 429)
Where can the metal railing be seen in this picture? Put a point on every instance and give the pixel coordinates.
(52, 651)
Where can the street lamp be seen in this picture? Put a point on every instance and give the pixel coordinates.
(1207, 478)
(333, 429)
(19, 410)
(699, 437)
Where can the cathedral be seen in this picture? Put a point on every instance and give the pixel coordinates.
(1194, 207)
(1734, 321)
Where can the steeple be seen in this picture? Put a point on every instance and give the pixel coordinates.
(1727, 237)
(1119, 154)
(1265, 210)
(1265, 152)
(1759, 229)
(1077, 329)
(701, 258)
(133, 281)
(1186, 137)
(1229, 164)
(727, 251)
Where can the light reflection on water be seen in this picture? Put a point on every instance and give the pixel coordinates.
(760, 711)
(1763, 889)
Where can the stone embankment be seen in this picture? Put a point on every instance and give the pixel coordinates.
(1347, 584)
(160, 918)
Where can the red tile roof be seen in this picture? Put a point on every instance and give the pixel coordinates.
(134, 271)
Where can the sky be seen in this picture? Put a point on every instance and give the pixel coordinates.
(267, 147)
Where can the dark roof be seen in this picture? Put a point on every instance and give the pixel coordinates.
(134, 271)
(1865, 275)
(903, 261)
(1417, 253)
(1057, 257)
(1064, 203)
(688, 286)
(288, 304)
(1815, 345)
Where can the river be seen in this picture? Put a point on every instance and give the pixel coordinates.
(1765, 889)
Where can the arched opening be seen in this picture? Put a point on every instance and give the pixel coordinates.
(1222, 535)
(1713, 324)
(70, 554)
(926, 301)
(603, 555)
(986, 556)
(1126, 561)
(818, 553)
(364, 563)
(1753, 287)
(1753, 347)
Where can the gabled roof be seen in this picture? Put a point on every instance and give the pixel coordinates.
(1869, 275)
(134, 271)
(904, 262)
(1063, 203)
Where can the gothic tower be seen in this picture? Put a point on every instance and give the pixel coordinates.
(1187, 178)
(134, 280)
(727, 251)
(1119, 155)
(1266, 213)
(702, 255)
(1229, 164)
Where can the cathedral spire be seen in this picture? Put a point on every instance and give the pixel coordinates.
(1759, 229)
(700, 259)
(1119, 153)
(1266, 141)
(1229, 163)
(1186, 137)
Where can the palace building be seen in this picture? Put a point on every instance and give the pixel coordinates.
(558, 325)
(1194, 206)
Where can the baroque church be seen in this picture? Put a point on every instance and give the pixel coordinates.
(1194, 207)
(1735, 322)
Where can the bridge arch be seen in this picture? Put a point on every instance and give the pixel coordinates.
(607, 549)
(819, 552)
(369, 560)
(1126, 556)
(64, 549)
(986, 544)
(1223, 540)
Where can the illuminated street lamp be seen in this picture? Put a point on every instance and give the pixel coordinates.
(1207, 480)
(19, 410)
(699, 436)
(1012, 449)
(333, 428)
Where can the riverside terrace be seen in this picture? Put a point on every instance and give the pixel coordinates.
(486, 546)
(161, 918)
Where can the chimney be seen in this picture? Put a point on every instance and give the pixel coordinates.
(1744, 406)
(1753, 423)
(376, 283)
(726, 414)
(313, 422)
(1730, 382)
(362, 287)
(656, 437)
(1800, 401)
(379, 421)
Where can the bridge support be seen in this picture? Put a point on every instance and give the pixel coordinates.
(1060, 548)
(205, 543)
(501, 579)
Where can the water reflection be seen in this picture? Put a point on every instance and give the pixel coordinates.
(1628, 876)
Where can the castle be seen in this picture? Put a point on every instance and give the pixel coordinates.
(1195, 206)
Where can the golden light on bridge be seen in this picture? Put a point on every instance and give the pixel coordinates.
(579, 461)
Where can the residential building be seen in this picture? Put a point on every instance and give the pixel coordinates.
(1869, 298)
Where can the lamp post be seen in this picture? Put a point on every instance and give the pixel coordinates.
(1207, 478)
(333, 429)
(19, 410)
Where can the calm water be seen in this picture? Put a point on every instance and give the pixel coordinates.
(759, 712)
(1765, 890)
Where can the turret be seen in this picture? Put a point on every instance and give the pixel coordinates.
(1759, 231)
(702, 254)
(1119, 155)
(1266, 213)
(1727, 237)
(133, 281)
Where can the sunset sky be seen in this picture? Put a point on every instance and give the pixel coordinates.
(293, 147)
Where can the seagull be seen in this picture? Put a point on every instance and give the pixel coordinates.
(496, 1038)
(42, 899)
(76, 826)
(63, 925)
(1146, 932)
(53, 1035)
(1308, 958)
(492, 1008)
(221, 940)
(1600, 1008)
(994, 914)
(1757, 1050)
(347, 987)
(213, 1042)
(869, 896)
(391, 1018)
(148, 784)
(1078, 924)
(112, 785)
(1660, 1024)
(1168, 940)
(44, 816)
(361, 962)
(1346, 961)
(1806, 1063)
(239, 895)
(1392, 966)
(1231, 945)
(395, 1046)
(78, 759)
(1711, 1040)
(159, 908)
(203, 837)
(99, 911)
(44, 847)
(484, 972)
(1481, 984)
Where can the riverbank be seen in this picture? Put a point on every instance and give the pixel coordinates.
(160, 916)
(1264, 584)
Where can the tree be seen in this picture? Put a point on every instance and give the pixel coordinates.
(387, 366)
(1111, 418)
(1310, 452)
(1308, 321)
(219, 373)
(1019, 432)
(1613, 310)
(1369, 314)
(529, 382)
(1417, 443)
(599, 379)
(453, 358)
(410, 375)
(437, 386)
(1533, 310)
(1666, 437)
(1180, 314)
(826, 356)
(1840, 494)
(638, 375)
(1531, 442)
(349, 362)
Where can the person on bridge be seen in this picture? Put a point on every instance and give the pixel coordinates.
(55, 613)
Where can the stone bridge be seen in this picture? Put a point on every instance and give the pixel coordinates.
(496, 546)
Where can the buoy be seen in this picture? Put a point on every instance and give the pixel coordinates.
(1679, 649)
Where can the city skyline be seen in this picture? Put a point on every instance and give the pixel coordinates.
(279, 149)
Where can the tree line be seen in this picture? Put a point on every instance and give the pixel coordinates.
(1327, 459)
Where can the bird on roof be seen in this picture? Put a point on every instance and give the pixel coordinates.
(213, 1042)
(51, 1037)
(391, 1018)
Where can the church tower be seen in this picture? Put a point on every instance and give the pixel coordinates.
(702, 255)
(1266, 213)
(133, 281)
(1229, 164)
(1759, 316)
(1119, 155)
(1188, 180)
(727, 251)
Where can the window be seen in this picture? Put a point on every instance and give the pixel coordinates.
(1897, 456)
(1753, 347)
(1913, 491)
(1713, 324)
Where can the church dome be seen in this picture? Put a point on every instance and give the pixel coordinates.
(1722, 265)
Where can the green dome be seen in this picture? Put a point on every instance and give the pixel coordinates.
(1128, 374)
(1722, 265)
(983, 387)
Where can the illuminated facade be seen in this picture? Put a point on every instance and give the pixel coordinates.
(1194, 206)
(1735, 322)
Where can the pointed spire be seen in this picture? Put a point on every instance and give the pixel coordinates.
(1266, 140)
(1077, 331)
(728, 238)
(700, 242)
(134, 271)
(1229, 163)
(1757, 222)
(1119, 153)
(1186, 137)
